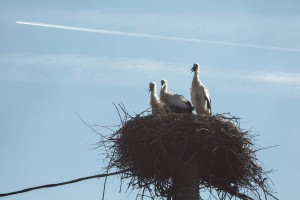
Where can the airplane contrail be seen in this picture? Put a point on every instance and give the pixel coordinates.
(151, 36)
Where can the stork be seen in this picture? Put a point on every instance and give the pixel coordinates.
(157, 106)
(199, 94)
(174, 102)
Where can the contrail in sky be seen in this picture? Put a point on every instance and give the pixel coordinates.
(150, 36)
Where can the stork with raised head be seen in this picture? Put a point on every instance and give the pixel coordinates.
(174, 102)
(199, 94)
(158, 107)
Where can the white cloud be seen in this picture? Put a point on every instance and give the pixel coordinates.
(281, 78)
(138, 72)
(83, 69)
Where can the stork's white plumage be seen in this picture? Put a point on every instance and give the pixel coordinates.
(199, 93)
(174, 102)
(158, 107)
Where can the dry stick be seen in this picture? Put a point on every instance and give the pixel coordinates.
(101, 136)
(109, 166)
(63, 183)
(118, 113)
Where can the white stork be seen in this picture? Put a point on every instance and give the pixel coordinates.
(199, 94)
(174, 102)
(157, 106)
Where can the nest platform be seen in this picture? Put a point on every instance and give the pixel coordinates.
(152, 147)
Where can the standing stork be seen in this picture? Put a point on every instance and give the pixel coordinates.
(174, 102)
(199, 94)
(157, 106)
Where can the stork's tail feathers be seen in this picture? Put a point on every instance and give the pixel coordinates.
(190, 107)
(208, 105)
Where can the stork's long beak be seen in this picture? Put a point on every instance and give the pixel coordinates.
(149, 89)
(192, 70)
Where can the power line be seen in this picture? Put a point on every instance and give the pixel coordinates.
(63, 183)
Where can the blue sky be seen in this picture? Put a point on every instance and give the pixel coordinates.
(47, 75)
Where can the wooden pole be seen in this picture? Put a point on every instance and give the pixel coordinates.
(186, 181)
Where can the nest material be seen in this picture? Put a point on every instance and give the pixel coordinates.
(152, 146)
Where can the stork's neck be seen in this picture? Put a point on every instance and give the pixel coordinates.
(164, 88)
(196, 76)
(163, 92)
(153, 93)
(154, 98)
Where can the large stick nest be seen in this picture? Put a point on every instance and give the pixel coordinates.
(151, 147)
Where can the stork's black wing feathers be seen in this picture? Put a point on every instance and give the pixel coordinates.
(180, 104)
(208, 104)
